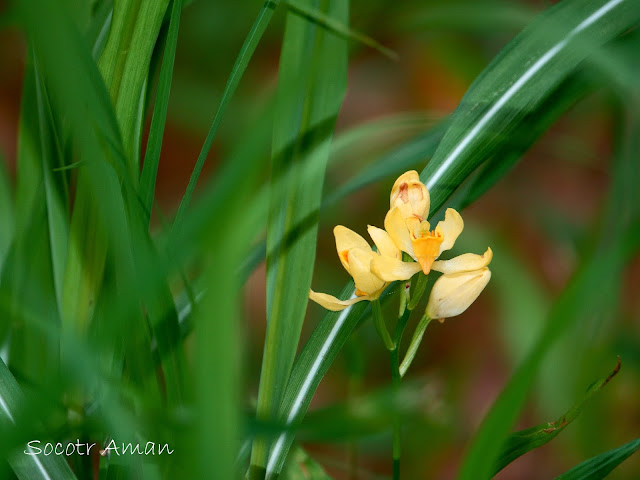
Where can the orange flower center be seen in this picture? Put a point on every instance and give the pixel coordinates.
(426, 245)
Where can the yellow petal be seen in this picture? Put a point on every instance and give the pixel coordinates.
(410, 195)
(414, 224)
(346, 240)
(396, 227)
(392, 269)
(332, 303)
(450, 228)
(453, 294)
(383, 241)
(360, 270)
(463, 263)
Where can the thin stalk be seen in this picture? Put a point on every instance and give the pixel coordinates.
(396, 378)
(404, 298)
(378, 321)
(415, 343)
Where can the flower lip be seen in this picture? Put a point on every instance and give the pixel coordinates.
(426, 250)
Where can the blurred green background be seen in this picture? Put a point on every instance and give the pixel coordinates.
(538, 219)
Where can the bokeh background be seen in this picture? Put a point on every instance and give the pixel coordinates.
(538, 219)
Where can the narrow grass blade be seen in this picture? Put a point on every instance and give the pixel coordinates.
(339, 28)
(602, 465)
(55, 203)
(519, 443)
(26, 467)
(242, 61)
(312, 82)
(154, 143)
(218, 339)
(99, 27)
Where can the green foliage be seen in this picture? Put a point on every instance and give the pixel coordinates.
(313, 71)
(601, 465)
(523, 441)
(116, 325)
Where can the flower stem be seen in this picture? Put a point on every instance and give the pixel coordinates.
(396, 378)
(413, 346)
(378, 321)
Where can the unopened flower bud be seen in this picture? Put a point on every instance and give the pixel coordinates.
(410, 195)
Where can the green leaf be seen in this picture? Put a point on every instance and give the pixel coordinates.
(601, 465)
(242, 61)
(40, 242)
(518, 80)
(602, 262)
(26, 467)
(519, 443)
(154, 143)
(218, 345)
(55, 201)
(339, 28)
(310, 366)
(124, 65)
(312, 82)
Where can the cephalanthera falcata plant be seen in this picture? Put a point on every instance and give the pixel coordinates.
(150, 335)
(407, 230)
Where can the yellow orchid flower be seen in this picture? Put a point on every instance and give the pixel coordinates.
(357, 258)
(456, 290)
(407, 225)
(414, 236)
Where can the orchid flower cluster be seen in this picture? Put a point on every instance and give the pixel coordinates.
(407, 230)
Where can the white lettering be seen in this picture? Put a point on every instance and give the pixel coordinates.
(165, 446)
(31, 448)
(133, 449)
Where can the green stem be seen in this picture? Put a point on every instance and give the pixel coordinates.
(378, 321)
(404, 298)
(396, 378)
(415, 343)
